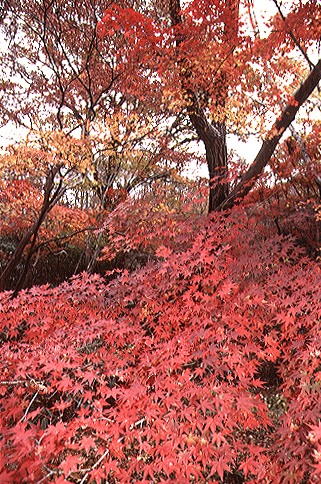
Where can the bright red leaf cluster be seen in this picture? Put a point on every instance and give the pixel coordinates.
(158, 376)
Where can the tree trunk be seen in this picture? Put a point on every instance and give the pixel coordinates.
(214, 139)
(213, 135)
(47, 205)
(267, 149)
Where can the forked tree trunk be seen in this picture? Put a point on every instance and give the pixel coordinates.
(214, 135)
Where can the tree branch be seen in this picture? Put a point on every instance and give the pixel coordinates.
(264, 155)
(295, 40)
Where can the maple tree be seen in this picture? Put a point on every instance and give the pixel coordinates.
(212, 70)
(52, 168)
(200, 362)
(65, 82)
(67, 79)
(63, 235)
(56, 160)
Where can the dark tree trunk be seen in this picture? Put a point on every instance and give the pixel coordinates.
(214, 139)
(267, 149)
(213, 135)
(48, 203)
(216, 157)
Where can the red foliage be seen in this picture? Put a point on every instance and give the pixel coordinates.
(20, 205)
(203, 365)
(157, 376)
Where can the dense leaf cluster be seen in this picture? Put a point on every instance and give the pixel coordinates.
(197, 360)
(164, 374)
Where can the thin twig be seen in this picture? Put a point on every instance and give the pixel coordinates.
(31, 402)
(17, 382)
(57, 239)
(93, 467)
(46, 477)
(295, 40)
